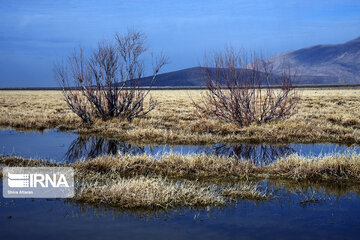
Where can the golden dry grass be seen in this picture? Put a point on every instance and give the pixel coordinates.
(147, 193)
(340, 167)
(35, 110)
(195, 180)
(322, 116)
(326, 168)
(113, 188)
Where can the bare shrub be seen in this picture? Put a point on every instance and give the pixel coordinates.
(107, 83)
(239, 89)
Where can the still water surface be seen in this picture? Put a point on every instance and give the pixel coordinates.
(332, 213)
(283, 217)
(68, 147)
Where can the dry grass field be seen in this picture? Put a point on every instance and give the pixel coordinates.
(323, 115)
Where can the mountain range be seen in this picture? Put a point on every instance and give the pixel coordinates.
(320, 64)
(333, 63)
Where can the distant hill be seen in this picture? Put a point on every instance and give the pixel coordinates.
(320, 64)
(188, 77)
(335, 63)
(193, 77)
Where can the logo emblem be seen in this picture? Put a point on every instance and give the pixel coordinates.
(38, 182)
(18, 180)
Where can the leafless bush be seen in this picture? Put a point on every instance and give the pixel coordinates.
(239, 89)
(107, 83)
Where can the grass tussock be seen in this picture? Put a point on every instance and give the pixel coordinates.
(149, 193)
(178, 166)
(337, 167)
(332, 168)
(322, 116)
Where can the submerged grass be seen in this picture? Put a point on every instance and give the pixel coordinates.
(322, 116)
(338, 188)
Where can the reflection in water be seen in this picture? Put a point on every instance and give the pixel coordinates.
(90, 147)
(286, 195)
(309, 213)
(87, 147)
(68, 146)
(258, 154)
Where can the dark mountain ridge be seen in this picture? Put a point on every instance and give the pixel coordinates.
(194, 77)
(191, 77)
(320, 64)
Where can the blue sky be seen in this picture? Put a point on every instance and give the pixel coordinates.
(34, 34)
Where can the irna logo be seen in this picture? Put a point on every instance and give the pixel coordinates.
(36, 180)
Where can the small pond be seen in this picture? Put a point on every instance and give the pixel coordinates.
(294, 211)
(69, 146)
(289, 215)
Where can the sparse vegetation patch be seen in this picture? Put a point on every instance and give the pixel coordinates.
(239, 90)
(107, 83)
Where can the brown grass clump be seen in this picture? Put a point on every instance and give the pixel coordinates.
(327, 168)
(337, 167)
(322, 116)
(148, 193)
(180, 166)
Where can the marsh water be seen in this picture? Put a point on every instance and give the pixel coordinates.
(290, 215)
(295, 211)
(68, 147)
